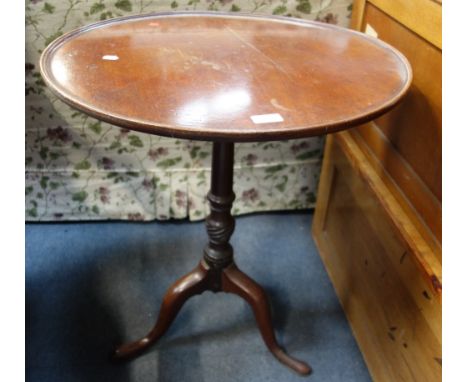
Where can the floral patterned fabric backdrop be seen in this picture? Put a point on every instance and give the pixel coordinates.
(78, 168)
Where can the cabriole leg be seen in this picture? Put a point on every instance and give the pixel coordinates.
(217, 270)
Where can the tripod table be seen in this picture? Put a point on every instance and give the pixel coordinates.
(224, 78)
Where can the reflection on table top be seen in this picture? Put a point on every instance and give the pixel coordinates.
(219, 76)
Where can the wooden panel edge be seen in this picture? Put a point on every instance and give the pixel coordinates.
(323, 192)
(357, 15)
(423, 17)
(429, 203)
(417, 246)
(324, 250)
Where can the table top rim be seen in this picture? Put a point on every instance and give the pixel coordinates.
(240, 135)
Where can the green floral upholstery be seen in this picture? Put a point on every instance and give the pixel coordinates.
(78, 168)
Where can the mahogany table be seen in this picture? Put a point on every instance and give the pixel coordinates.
(224, 78)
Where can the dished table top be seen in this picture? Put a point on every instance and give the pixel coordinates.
(215, 76)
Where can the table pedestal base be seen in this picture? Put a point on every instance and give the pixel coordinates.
(217, 271)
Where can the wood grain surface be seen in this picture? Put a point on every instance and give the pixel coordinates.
(407, 141)
(421, 16)
(368, 248)
(377, 222)
(214, 76)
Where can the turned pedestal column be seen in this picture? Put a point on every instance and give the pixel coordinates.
(216, 271)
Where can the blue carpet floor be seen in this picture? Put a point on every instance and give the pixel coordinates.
(91, 286)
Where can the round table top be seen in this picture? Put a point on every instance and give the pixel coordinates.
(217, 76)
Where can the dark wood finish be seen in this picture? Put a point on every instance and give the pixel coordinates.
(217, 271)
(204, 75)
(237, 282)
(384, 178)
(193, 283)
(208, 76)
(220, 223)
